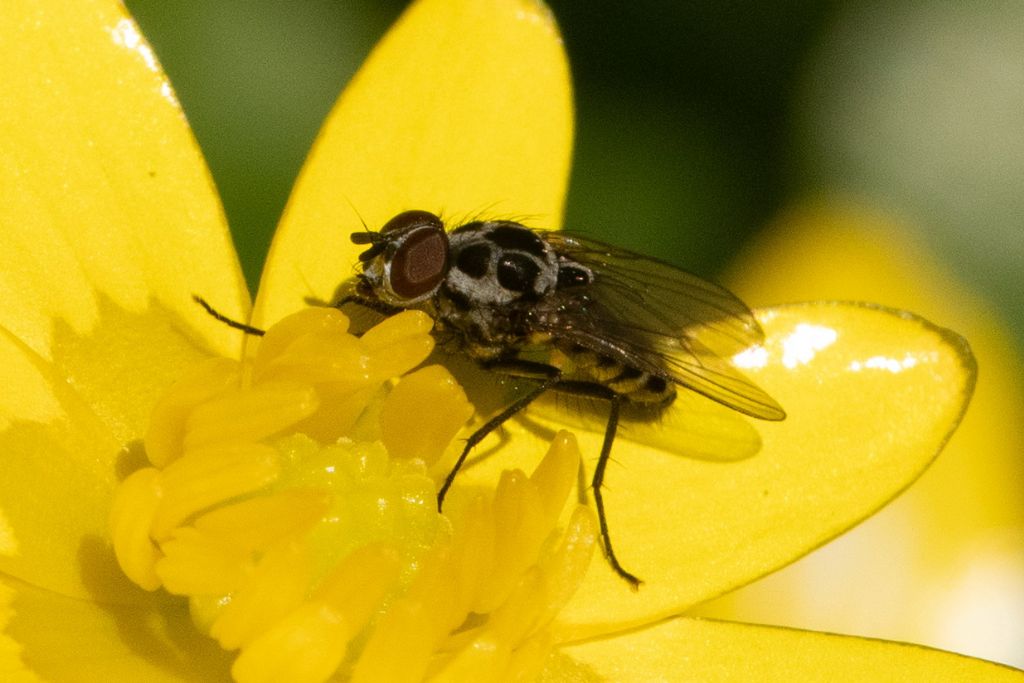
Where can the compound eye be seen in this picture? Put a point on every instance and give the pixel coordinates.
(421, 259)
(407, 220)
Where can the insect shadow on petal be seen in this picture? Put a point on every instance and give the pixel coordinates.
(565, 314)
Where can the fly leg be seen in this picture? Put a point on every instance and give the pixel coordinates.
(550, 379)
(548, 376)
(230, 322)
(378, 306)
(600, 391)
(367, 302)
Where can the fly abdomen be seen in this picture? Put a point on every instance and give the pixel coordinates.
(655, 390)
(637, 386)
(627, 381)
(596, 366)
(634, 385)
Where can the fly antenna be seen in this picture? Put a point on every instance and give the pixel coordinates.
(367, 236)
(352, 206)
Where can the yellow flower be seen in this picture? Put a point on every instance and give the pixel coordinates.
(108, 225)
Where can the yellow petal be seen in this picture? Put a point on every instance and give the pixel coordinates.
(106, 197)
(942, 563)
(56, 490)
(463, 108)
(697, 650)
(65, 639)
(871, 397)
(108, 223)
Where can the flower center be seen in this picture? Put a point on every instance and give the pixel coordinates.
(289, 500)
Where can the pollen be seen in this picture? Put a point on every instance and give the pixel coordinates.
(289, 500)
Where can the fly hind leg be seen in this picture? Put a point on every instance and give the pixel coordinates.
(550, 379)
(600, 391)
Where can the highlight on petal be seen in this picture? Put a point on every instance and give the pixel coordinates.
(871, 396)
(950, 551)
(464, 108)
(701, 650)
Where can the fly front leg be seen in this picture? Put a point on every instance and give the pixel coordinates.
(367, 302)
(230, 322)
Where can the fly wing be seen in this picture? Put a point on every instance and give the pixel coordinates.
(692, 426)
(654, 317)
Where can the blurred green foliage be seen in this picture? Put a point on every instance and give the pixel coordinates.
(680, 144)
(697, 122)
(256, 79)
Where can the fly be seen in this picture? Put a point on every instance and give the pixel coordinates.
(632, 328)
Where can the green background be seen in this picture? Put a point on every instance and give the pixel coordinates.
(697, 122)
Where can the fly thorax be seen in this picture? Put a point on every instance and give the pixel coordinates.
(498, 272)
(497, 263)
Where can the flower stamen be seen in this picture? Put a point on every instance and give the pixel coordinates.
(289, 500)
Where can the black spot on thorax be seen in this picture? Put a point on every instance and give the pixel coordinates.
(514, 236)
(518, 273)
(474, 260)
